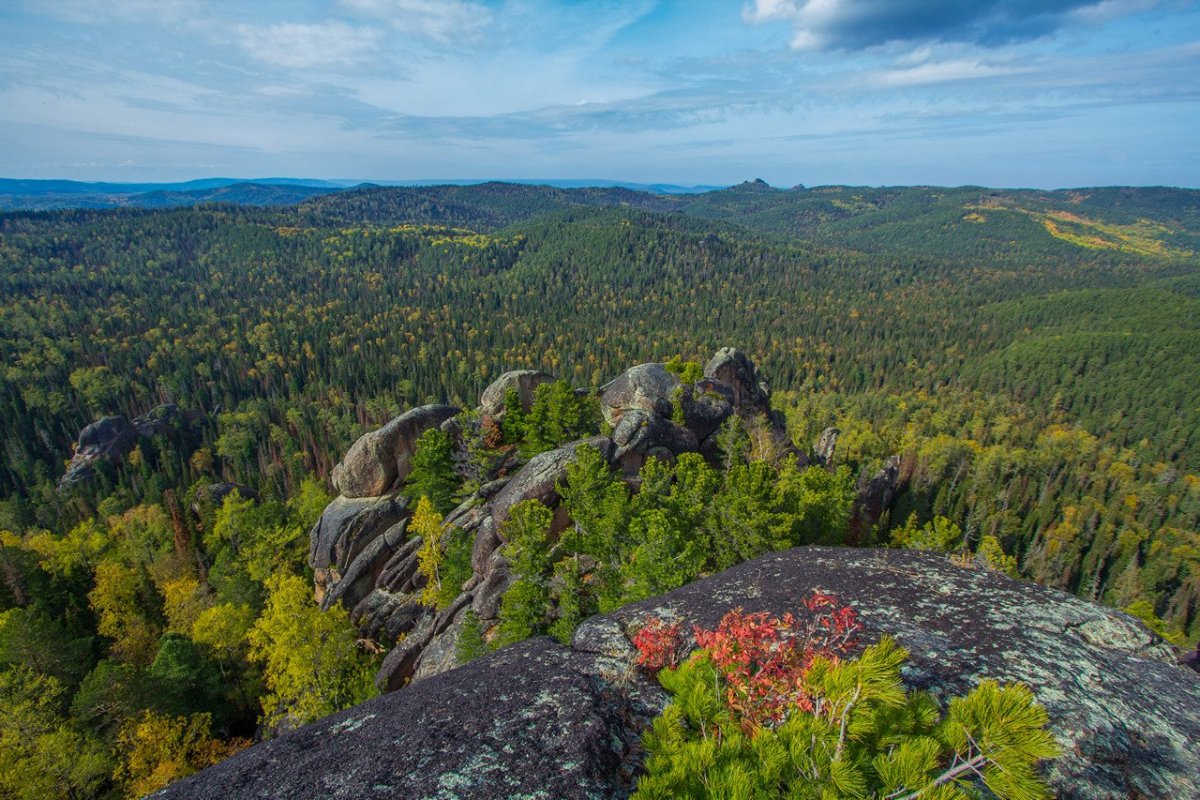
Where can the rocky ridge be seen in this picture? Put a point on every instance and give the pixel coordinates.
(541, 720)
(361, 554)
(107, 441)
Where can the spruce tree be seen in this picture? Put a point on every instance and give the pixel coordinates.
(433, 474)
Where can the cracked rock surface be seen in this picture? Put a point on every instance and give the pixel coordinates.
(538, 720)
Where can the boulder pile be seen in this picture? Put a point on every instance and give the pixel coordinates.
(363, 558)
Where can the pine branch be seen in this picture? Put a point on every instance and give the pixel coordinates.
(970, 765)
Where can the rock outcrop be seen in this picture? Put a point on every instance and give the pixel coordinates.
(826, 446)
(381, 458)
(538, 719)
(523, 381)
(360, 552)
(734, 368)
(106, 442)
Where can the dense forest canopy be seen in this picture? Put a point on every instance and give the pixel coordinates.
(1031, 356)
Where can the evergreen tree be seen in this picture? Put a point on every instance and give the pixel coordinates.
(433, 475)
(524, 606)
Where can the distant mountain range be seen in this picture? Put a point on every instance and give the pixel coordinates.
(41, 195)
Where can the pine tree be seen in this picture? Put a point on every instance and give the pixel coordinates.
(433, 474)
(848, 728)
(524, 606)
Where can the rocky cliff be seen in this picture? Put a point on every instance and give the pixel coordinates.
(363, 557)
(541, 720)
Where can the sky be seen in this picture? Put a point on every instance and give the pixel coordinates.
(1007, 93)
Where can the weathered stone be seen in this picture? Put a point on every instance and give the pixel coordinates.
(106, 441)
(383, 616)
(826, 445)
(706, 404)
(646, 387)
(401, 661)
(524, 381)
(529, 721)
(345, 529)
(735, 369)
(167, 419)
(875, 496)
(494, 583)
(537, 479)
(379, 459)
(486, 542)
(369, 568)
(640, 431)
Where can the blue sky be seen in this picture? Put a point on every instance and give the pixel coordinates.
(1044, 93)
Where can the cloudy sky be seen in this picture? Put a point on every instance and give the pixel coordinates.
(1042, 93)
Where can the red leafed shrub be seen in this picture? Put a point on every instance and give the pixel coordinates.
(763, 659)
(659, 644)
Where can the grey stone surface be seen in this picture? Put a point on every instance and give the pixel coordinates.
(380, 458)
(646, 387)
(538, 720)
(524, 381)
(735, 369)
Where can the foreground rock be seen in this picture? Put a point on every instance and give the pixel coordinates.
(523, 381)
(533, 720)
(540, 720)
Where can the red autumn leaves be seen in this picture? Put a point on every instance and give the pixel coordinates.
(763, 660)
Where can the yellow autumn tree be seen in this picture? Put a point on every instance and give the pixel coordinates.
(426, 522)
(311, 663)
(157, 749)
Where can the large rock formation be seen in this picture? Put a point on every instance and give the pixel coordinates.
(380, 458)
(541, 720)
(106, 442)
(360, 551)
(523, 381)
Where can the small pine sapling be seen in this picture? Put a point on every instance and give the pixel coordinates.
(771, 707)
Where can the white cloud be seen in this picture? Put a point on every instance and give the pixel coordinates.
(1111, 9)
(88, 11)
(941, 72)
(303, 46)
(441, 20)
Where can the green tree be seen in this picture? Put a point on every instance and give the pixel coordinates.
(32, 638)
(432, 474)
(939, 534)
(558, 416)
(747, 521)
(471, 643)
(43, 756)
(525, 604)
(819, 502)
(311, 664)
(99, 388)
(859, 735)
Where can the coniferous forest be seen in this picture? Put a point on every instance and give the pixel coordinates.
(1031, 358)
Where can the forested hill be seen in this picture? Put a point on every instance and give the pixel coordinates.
(179, 384)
